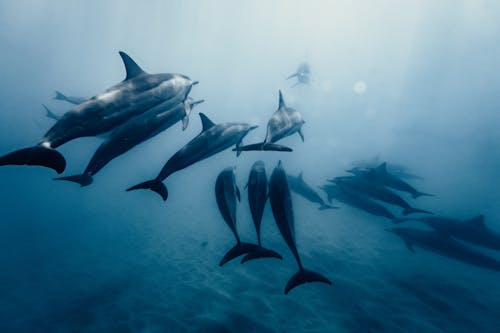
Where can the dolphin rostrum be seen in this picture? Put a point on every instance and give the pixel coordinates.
(212, 140)
(257, 197)
(299, 186)
(132, 133)
(226, 193)
(281, 204)
(444, 245)
(138, 93)
(284, 122)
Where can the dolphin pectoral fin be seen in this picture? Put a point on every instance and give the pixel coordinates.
(304, 276)
(37, 155)
(84, 179)
(155, 185)
(261, 252)
(301, 134)
(411, 210)
(276, 147)
(185, 122)
(326, 206)
(236, 251)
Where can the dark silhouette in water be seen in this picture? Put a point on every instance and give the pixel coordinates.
(226, 193)
(49, 114)
(303, 74)
(299, 186)
(138, 93)
(397, 170)
(472, 230)
(284, 122)
(132, 133)
(212, 140)
(376, 191)
(70, 99)
(281, 204)
(257, 198)
(444, 245)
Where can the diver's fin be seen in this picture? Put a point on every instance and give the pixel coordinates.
(131, 68)
(206, 123)
(282, 101)
(37, 155)
(236, 251)
(301, 134)
(155, 185)
(304, 276)
(411, 210)
(50, 114)
(260, 252)
(84, 179)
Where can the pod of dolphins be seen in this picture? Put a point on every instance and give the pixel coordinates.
(144, 105)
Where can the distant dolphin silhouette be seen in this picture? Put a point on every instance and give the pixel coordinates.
(212, 140)
(302, 74)
(284, 122)
(138, 93)
(299, 186)
(281, 204)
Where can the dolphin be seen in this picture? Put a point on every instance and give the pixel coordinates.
(299, 186)
(473, 230)
(281, 205)
(138, 93)
(376, 191)
(49, 114)
(381, 175)
(284, 122)
(226, 193)
(257, 197)
(397, 170)
(137, 130)
(302, 74)
(359, 201)
(212, 140)
(444, 245)
(70, 99)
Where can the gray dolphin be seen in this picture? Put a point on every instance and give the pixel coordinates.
(444, 245)
(226, 193)
(397, 170)
(381, 175)
(138, 93)
(299, 186)
(303, 74)
(359, 201)
(284, 122)
(212, 140)
(257, 197)
(376, 191)
(473, 230)
(70, 99)
(135, 131)
(281, 204)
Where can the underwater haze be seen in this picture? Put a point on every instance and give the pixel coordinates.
(413, 83)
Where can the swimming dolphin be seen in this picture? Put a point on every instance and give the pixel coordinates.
(281, 204)
(299, 186)
(70, 99)
(444, 245)
(376, 191)
(226, 193)
(212, 140)
(49, 114)
(359, 201)
(302, 74)
(284, 122)
(136, 130)
(138, 93)
(381, 175)
(473, 230)
(397, 170)
(257, 197)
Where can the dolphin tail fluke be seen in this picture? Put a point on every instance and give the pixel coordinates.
(327, 206)
(84, 179)
(261, 252)
(263, 147)
(37, 155)
(421, 194)
(60, 96)
(154, 185)
(304, 276)
(236, 251)
(50, 114)
(411, 210)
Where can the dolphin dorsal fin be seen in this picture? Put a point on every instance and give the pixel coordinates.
(301, 175)
(205, 122)
(282, 101)
(131, 68)
(477, 221)
(382, 167)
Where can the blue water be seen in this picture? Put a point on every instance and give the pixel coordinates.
(415, 84)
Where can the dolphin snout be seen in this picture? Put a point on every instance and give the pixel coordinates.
(253, 127)
(195, 83)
